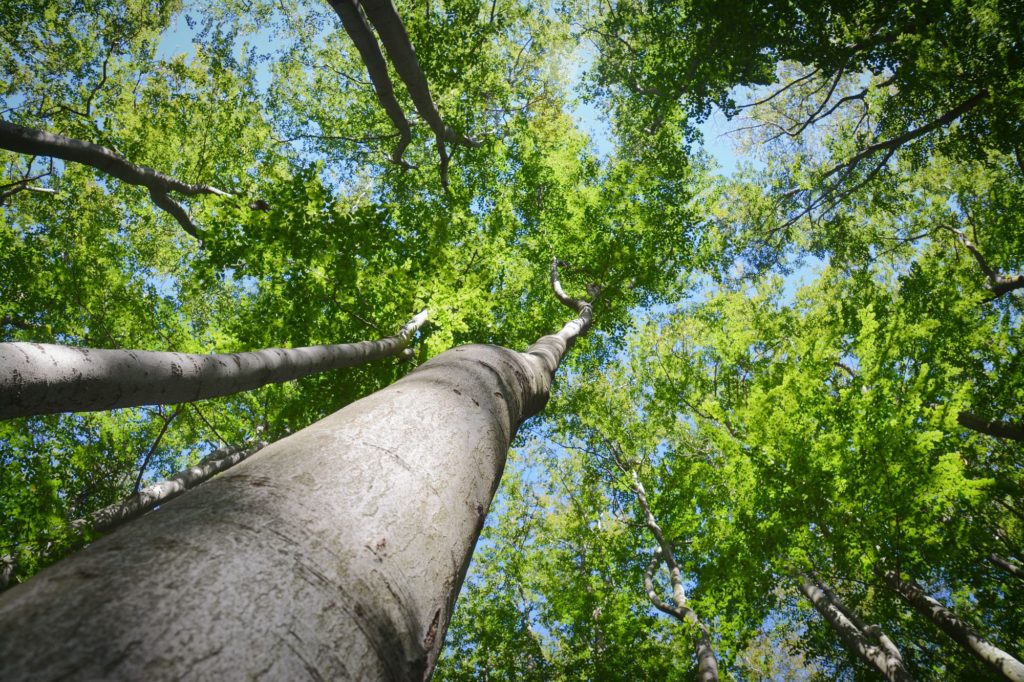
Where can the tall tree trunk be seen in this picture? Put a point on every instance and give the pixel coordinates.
(707, 662)
(24, 140)
(854, 634)
(37, 378)
(335, 553)
(960, 631)
(395, 40)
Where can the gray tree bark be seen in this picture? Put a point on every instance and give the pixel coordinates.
(139, 503)
(24, 140)
(854, 634)
(37, 378)
(359, 32)
(395, 40)
(959, 630)
(335, 553)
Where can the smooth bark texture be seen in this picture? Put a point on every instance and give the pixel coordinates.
(24, 140)
(395, 39)
(336, 553)
(38, 378)
(854, 633)
(139, 503)
(359, 32)
(960, 631)
(393, 36)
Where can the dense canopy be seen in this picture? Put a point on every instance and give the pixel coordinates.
(798, 413)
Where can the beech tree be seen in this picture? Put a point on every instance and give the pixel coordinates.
(809, 363)
(41, 379)
(382, 582)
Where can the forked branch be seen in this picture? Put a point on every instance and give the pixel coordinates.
(24, 140)
(395, 41)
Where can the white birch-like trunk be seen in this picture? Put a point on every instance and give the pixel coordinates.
(39, 378)
(335, 553)
(854, 634)
(959, 630)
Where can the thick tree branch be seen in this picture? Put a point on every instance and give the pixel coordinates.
(395, 39)
(24, 140)
(854, 633)
(140, 502)
(1007, 565)
(552, 348)
(358, 30)
(45, 378)
(996, 429)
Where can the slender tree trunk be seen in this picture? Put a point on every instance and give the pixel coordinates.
(960, 631)
(854, 634)
(139, 503)
(24, 140)
(335, 553)
(37, 378)
(707, 662)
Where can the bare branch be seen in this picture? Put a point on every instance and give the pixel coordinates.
(894, 143)
(152, 450)
(780, 91)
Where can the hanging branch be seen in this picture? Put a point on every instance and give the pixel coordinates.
(395, 40)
